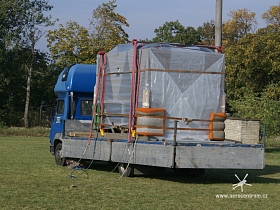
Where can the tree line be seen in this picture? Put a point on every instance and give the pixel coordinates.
(28, 75)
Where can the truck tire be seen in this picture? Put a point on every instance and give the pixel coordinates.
(124, 170)
(61, 161)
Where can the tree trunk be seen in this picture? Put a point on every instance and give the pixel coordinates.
(26, 109)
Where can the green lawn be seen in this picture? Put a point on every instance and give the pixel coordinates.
(31, 180)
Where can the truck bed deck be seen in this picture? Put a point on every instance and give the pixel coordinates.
(185, 154)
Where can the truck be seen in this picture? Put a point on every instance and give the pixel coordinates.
(148, 105)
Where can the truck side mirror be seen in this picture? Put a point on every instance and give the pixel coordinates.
(43, 106)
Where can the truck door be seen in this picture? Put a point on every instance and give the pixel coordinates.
(57, 125)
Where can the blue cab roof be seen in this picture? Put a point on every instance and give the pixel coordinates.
(77, 78)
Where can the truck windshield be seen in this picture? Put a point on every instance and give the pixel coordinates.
(86, 107)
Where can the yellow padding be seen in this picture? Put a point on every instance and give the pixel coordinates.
(133, 133)
(102, 132)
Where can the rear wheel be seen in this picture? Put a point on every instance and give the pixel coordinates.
(126, 170)
(61, 161)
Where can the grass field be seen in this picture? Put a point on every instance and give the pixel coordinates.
(31, 180)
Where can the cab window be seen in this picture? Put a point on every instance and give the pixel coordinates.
(86, 107)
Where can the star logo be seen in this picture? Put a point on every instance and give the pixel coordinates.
(240, 183)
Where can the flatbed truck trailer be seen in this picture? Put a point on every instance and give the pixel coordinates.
(114, 112)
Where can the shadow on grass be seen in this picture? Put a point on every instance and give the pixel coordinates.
(272, 150)
(211, 176)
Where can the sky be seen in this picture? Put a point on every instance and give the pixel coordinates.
(144, 16)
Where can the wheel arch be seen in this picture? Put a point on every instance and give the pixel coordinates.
(57, 139)
(56, 142)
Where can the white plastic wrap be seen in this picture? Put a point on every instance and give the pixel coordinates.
(183, 94)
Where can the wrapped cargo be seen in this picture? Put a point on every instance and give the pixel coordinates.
(187, 82)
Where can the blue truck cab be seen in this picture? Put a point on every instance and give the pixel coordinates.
(74, 90)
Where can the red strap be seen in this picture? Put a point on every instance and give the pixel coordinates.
(101, 55)
(132, 91)
(103, 72)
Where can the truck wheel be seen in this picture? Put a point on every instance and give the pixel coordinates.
(126, 171)
(61, 161)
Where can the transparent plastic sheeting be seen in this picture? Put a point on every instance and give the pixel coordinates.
(183, 95)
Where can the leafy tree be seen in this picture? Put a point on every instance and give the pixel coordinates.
(206, 33)
(190, 36)
(47, 82)
(106, 27)
(174, 32)
(272, 16)
(242, 22)
(253, 79)
(70, 44)
(254, 62)
(45, 79)
(10, 75)
(11, 14)
(20, 29)
(260, 107)
(31, 32)
(76, 44)
(14, 80)
(22, 21)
